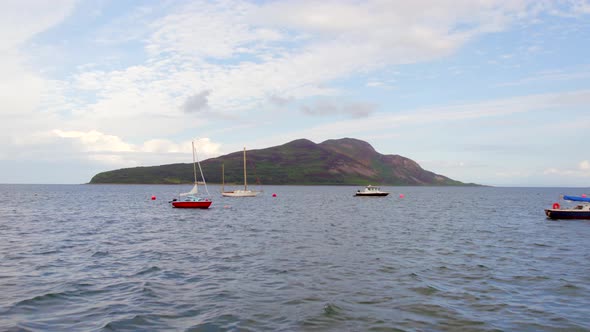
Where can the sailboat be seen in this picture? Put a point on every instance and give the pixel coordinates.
(191, 200)
(238, 193)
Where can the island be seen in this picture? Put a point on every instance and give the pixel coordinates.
(345, 161)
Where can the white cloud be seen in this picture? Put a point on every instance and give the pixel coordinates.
(95, 141)
(374, 84)
(109, 149)
(324, 107)
(279, 100)
(580, 73)
(514, 174)
(22, 88)
(565, 172)
(582, 7)
(232, 58)
(20, 20)
(162, 146)
(288, 48)
(383, 122)
(552, 176)
(582, 171)
(577, 8)
(209, 30)
(437, 164)
(20, 85)
(379, 84)
(97, 151)
(292, 48)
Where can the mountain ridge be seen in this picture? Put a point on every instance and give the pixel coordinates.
(344, 161)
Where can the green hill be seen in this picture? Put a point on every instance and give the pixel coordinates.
(345, 161)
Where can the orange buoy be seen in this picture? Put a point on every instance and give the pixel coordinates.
(555, 206)
(153, 198)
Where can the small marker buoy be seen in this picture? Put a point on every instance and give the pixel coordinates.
(584, 195)
(274, 195)
(402, 195)
(153, 198)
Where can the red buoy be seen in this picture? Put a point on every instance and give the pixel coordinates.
(584, 195)
(555, 206)
(153, 198)
(274, 195)
(402, 195)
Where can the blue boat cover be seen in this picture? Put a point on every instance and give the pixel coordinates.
(576, 198)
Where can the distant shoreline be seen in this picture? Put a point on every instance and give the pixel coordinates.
(303, 185)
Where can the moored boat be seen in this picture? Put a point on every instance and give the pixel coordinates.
(192, 200)
(579, 211)
(371, 191)
(240, 192)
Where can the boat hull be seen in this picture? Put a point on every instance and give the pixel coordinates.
(240, 193)
(371, 194)
(567, 214)
(191, 205)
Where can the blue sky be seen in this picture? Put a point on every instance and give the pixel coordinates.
(492, 92)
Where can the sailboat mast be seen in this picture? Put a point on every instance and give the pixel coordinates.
(194, 163)
(202, 176)
(222, 177)
(245, 181)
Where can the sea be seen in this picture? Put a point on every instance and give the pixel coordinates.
(296, 258)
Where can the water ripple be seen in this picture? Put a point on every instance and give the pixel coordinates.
(107, 258)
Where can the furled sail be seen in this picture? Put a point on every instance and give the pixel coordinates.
(193, 191)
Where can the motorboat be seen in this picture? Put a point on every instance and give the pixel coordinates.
(371, 191)
(578, 211)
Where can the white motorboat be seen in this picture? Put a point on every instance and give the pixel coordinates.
(371, 191)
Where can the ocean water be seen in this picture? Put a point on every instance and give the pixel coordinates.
(107, 258)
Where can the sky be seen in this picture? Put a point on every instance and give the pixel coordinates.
(487, 91)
